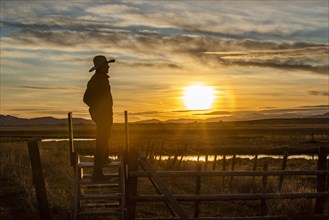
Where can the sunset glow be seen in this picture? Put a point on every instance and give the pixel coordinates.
(198, 97)
(262, 59)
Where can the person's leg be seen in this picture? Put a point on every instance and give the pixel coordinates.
(98, 151)
(102, 150)
(107, 134)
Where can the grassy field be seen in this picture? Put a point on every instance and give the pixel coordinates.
(18, 200)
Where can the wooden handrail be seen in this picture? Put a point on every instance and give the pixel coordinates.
(230, 173)
(221, 197)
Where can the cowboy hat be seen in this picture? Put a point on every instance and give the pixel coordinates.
(100, 61)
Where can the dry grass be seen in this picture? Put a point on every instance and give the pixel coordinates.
(18, 200)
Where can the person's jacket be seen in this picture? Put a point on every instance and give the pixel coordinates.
(98, 95)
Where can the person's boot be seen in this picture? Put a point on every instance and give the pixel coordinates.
(98, 176)
(107, 160)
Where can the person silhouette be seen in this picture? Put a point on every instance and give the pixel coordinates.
(98, 97)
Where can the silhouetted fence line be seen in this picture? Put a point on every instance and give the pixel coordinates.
(321, 194)
(143, 161)
(38, 180)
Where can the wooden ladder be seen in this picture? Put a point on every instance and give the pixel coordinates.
(105, 199)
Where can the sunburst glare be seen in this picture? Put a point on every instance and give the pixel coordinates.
(198, 97)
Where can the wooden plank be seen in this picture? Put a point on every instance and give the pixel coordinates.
(89, 183)
(283, 167)
(102, 204)
(263, 206)
(38, 180)
(232, 168)
(100, 212)
(111, 175)
(214, 163)
(131, 183)
(223, 169)
(231, 173)
(126, 132)
(169, 197)
(197, 192)
(159, 192)
(253, 177)
(77, 176)
(91, 164)
(206, 162)
(321, 203)
(229, 197)
(72, 150)
(275, 217)
(122, 185)
(112, 196)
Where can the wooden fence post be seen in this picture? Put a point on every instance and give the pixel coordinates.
(223, 169)
(70, 123)
(175, 159)
(197, 191)
(126, 133)
(263, 190)
(38, 180)
(131, 184)
(321, 203)
(232, 168)
(254, 168)
(215, 161)
(181, 158)
(160, 153)
(283, 167)
(206, 162)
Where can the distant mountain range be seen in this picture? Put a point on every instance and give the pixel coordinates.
(250, 116)
(8, 120)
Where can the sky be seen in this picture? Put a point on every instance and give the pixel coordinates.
(260, 58)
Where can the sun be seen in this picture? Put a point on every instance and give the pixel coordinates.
(198, 97)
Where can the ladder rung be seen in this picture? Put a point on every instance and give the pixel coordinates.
(100, 212)
(102, 204)
(90, 183)
(112, 196)
(111, 175)
(91, 164)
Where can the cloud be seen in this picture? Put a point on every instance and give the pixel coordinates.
(113, 9)
(175, 33)
(176, 51)
(300, 55)
(48, 45)
(315, 106)
(319, 93)
(45, 87)
(145, 113)
(152, 64)
(215, 113)
(306, 109)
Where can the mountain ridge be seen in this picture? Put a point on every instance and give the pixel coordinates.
(9, 120)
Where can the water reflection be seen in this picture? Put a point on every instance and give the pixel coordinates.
(200, 157)
(66, 139)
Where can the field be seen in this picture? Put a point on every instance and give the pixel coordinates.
(18, 199)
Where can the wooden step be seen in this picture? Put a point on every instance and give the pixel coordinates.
(109, 183)
(89, 175)
(102, 204)
(91, 164)
(112, 196)
(100, 212)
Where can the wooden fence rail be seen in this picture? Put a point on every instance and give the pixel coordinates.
(146, 159)
(321, 195)
(231, 173)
